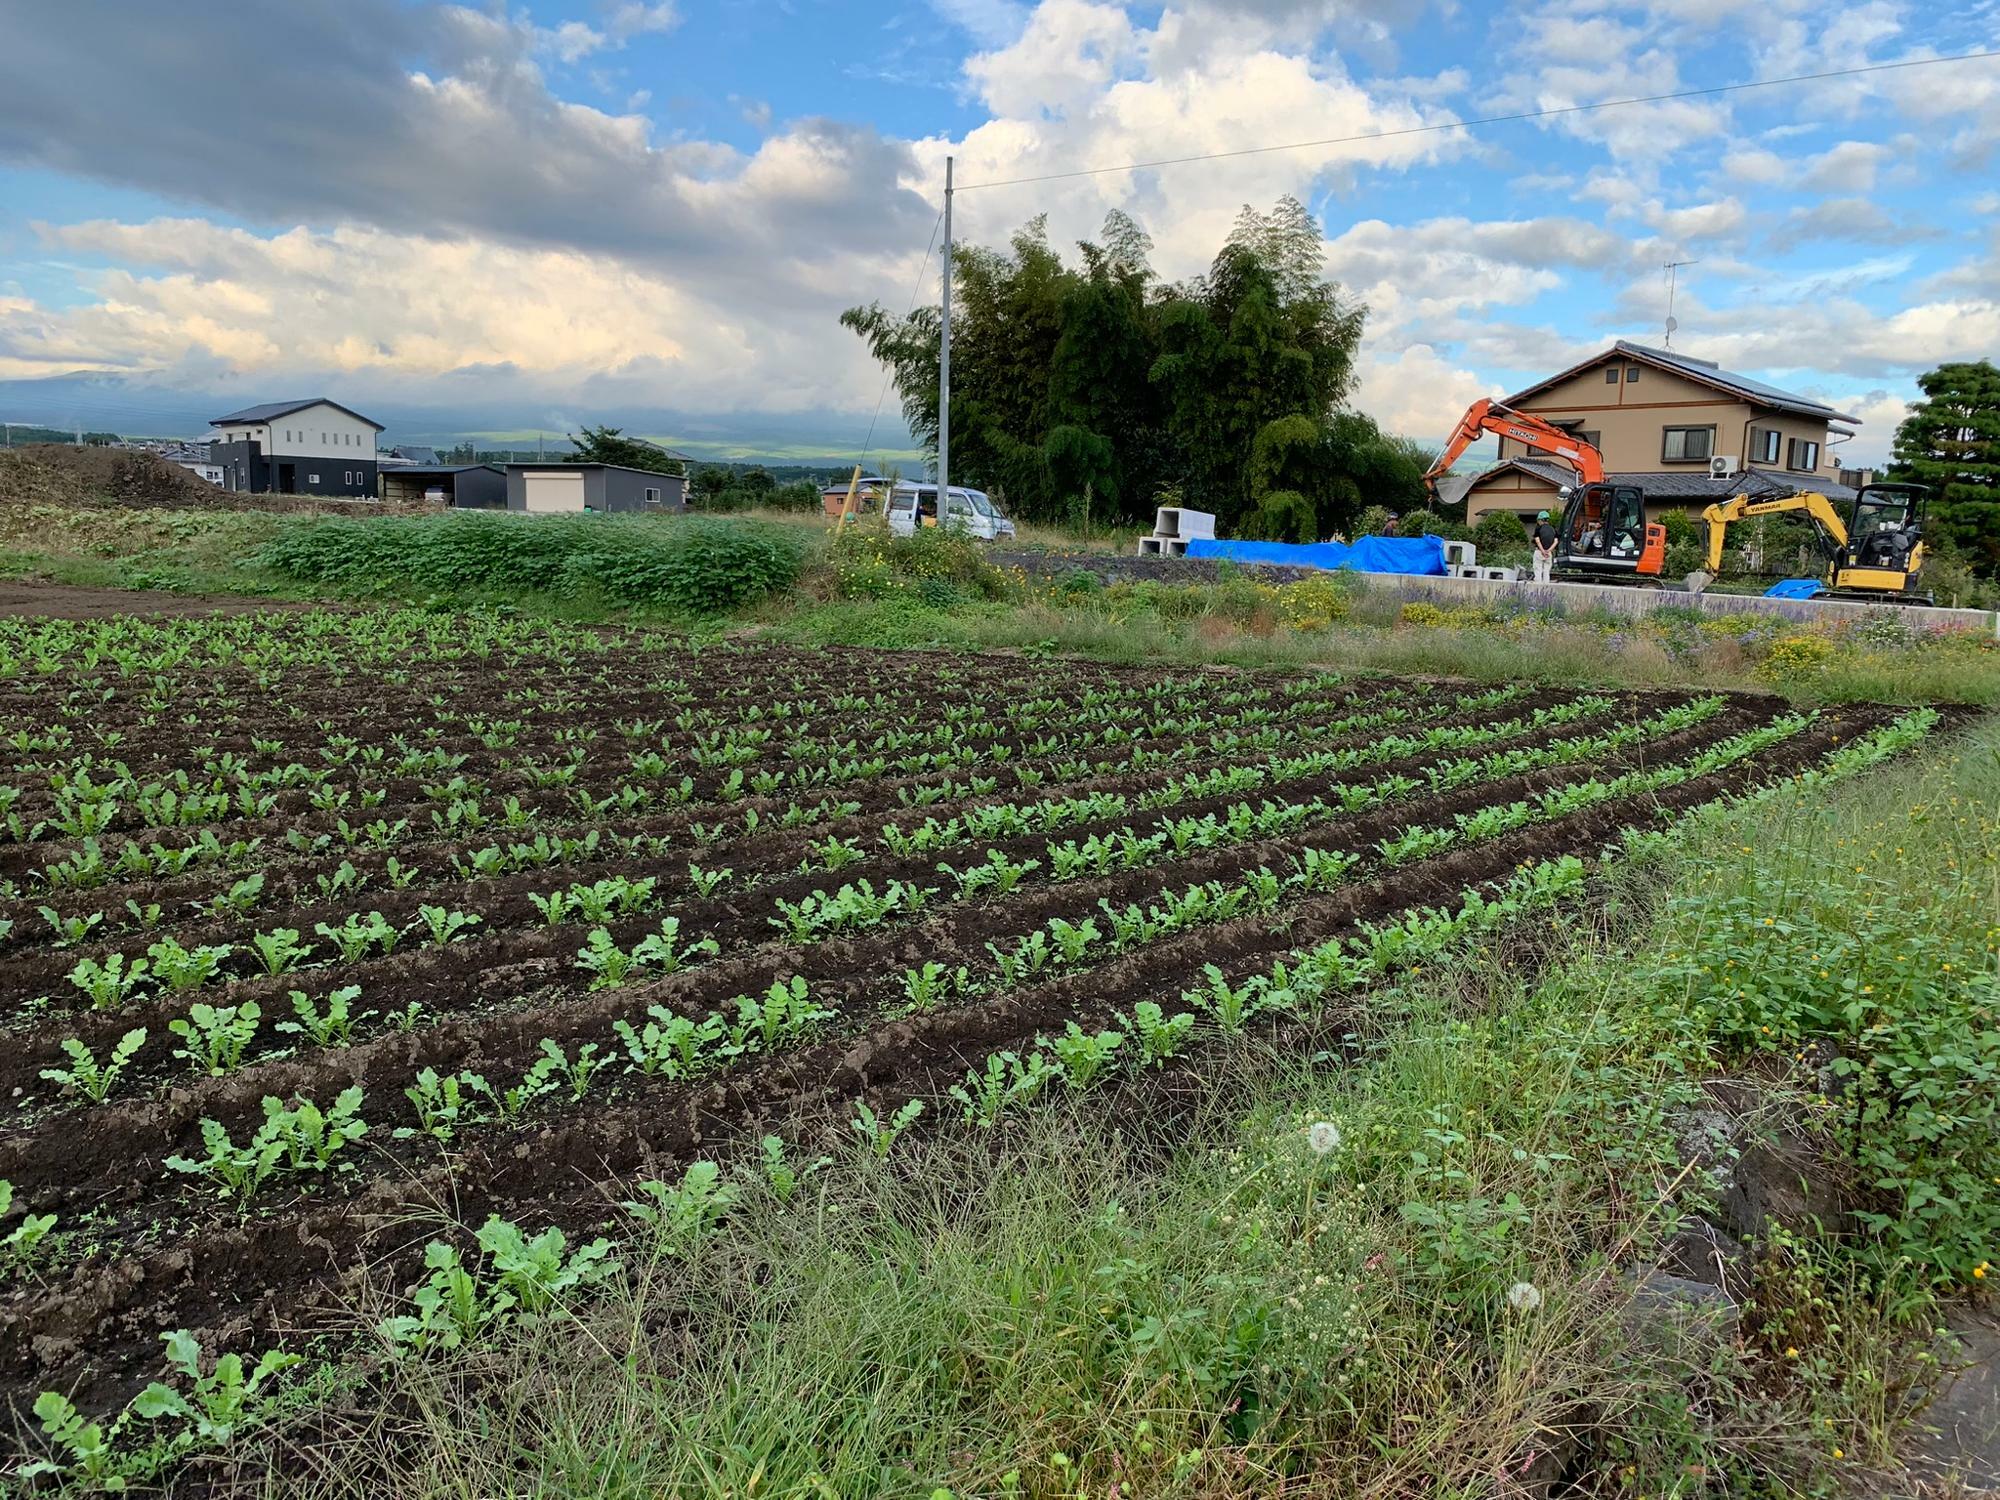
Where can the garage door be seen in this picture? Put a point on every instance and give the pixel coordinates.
(552, 492)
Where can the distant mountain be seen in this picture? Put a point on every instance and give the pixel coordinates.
(132, 407)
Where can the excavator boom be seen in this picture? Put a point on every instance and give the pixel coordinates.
(1486, 416)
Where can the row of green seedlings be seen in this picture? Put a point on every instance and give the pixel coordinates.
(89, 867)
(858, 906)
(1016, 819)
(834, 853)
(227, 786)
(217, 1036)
(535, 1277)
(677, 1046)
(717, 742)
(298, 1140)
(1065, 945)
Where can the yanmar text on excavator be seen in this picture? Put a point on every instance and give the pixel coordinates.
(1604, 536)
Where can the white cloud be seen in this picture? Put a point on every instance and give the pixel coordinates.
(1416, 390)
(635, 18)
(496, 320)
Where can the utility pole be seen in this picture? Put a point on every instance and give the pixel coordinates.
(944, 364)
(1673, 268)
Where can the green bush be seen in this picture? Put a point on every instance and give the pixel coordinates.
(1430, 523)
(1499, 532)
(689, 563)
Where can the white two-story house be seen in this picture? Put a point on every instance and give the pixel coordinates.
(310, 447)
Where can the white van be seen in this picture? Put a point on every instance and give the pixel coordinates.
(968, 510)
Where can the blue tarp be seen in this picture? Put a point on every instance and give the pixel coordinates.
(1370, 554)
(1795, 588)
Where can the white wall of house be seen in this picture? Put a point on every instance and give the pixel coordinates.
(320, 431)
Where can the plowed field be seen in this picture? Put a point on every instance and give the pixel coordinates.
(596, 905)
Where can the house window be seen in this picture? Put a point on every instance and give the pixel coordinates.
(1687, 444)
(1801, 455)
(1631, 373)
(312, 479)
(1595, 439)
(652, 495)
(348, 477)
(1611, 376)
(1765, 443)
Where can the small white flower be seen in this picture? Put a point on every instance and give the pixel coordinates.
(1522, 1296)
(1323, 1137)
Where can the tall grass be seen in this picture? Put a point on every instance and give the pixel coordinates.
(693, 563)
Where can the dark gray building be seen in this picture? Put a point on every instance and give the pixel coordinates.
(464, 486)
(551, 489)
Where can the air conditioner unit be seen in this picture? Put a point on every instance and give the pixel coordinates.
(1724, 466)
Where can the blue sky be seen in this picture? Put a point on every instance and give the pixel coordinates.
(490, 217)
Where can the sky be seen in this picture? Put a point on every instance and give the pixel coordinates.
(489, 217)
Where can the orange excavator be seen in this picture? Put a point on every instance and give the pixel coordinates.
(1604, 536)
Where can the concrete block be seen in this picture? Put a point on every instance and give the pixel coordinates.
(1178, 520)
(1152, 546)
(1176, 546)
(1500, 575)
(1460, 555)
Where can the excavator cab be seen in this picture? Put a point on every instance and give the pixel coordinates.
(1884, 552)
(1605, 535)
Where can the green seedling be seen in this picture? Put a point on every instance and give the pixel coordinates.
(681, 1216)
(781, 1174)
(536, 1272)
(215, 1037)
(86, 1076)
(280, 950)
(17, 1247)
(181, 969)
(879, 1135)
(219, 1404)
(332, 1027)
(108, 982)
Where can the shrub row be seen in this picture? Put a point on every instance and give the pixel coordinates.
(696, 563)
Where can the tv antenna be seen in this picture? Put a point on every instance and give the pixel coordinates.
(1673, 269)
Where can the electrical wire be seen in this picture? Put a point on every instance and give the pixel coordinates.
(1529, 114)
(923, 267)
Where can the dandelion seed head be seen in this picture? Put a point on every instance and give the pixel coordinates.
(1524, 1296)
(1323, 1137)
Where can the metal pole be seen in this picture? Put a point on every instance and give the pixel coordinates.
(944, 363)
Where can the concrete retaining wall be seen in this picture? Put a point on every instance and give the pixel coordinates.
(1444, 592)
(1635, 602)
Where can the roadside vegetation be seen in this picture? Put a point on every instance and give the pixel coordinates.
(784, 573)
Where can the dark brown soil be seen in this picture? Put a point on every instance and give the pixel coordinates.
(64, 601)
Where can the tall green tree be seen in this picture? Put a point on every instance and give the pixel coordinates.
(1951, 441)
(608, 445)
(1089, 389)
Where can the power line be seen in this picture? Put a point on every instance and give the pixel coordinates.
(1529, 114)
(923, 267)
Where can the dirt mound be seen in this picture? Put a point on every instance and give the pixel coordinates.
(52, 473)
(131, 479)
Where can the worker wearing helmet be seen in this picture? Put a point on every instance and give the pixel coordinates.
(1545, 547)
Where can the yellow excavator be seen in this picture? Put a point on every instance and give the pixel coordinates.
(1876, 553)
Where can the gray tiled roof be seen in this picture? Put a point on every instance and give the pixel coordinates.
(270, 411)
(1707, 371)
(1756, 390)
(1683, 484)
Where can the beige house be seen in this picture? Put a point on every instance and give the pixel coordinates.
(1662, 420)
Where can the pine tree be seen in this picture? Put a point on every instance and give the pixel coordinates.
(1951, 441)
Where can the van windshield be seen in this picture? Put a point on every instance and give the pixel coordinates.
(981, 504)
